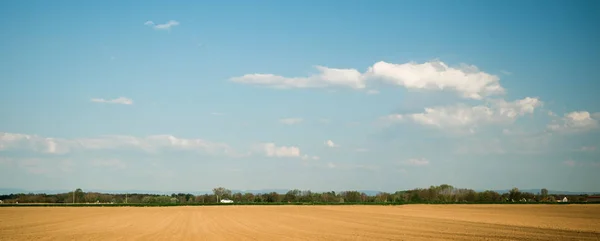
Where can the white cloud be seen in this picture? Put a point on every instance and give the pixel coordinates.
(436, 75)
(467, 80)
(330, 143)
(271, 150)
(120, 100)
(577, 121)
(463, 116)
(417, 162)
(291, 121)
(325, 78)
(10, 141)
(372, 92)
(504, 72)
(165, 26)
(155, 143)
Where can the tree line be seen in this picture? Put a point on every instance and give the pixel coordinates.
(435, 194)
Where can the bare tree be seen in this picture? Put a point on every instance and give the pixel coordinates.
(221, 192)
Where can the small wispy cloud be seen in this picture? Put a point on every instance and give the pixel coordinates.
(217, 113)
(372, 92)
(587, 148)
(330, 143)
(504, 72)
(570, 163)
(120, 100)
(165, 26)
(362, 150)
(109, 163)
(324, 120)
(291, 121)
(272, 150)
(150, 144)
(353, 123)
(417, 162)
(307, 157)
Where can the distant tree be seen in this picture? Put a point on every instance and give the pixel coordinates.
(248, 197)
(78, 195)
(221, 193)
(291, 195)
(163, 199)
(544, 194)
(259, 198)
(237, 197)
(514, 194)
(527, 195)
(189, 197)
(199, 199)
(470, 196)
(379, 197)
(91, 197)
(351, 196)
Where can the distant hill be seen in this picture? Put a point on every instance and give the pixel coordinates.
(4, 191)
(260, 191)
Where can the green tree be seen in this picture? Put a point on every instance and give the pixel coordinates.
(470, 196)
(514, 194)
(291, 195)
(78, 195)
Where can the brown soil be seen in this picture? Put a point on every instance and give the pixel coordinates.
(408, 222)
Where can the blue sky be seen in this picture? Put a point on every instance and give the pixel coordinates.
(384, 95)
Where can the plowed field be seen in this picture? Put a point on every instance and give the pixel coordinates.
(408, 222)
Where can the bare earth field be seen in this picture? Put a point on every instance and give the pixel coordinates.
(407, 222)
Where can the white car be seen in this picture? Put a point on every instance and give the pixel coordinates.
(226, 201)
